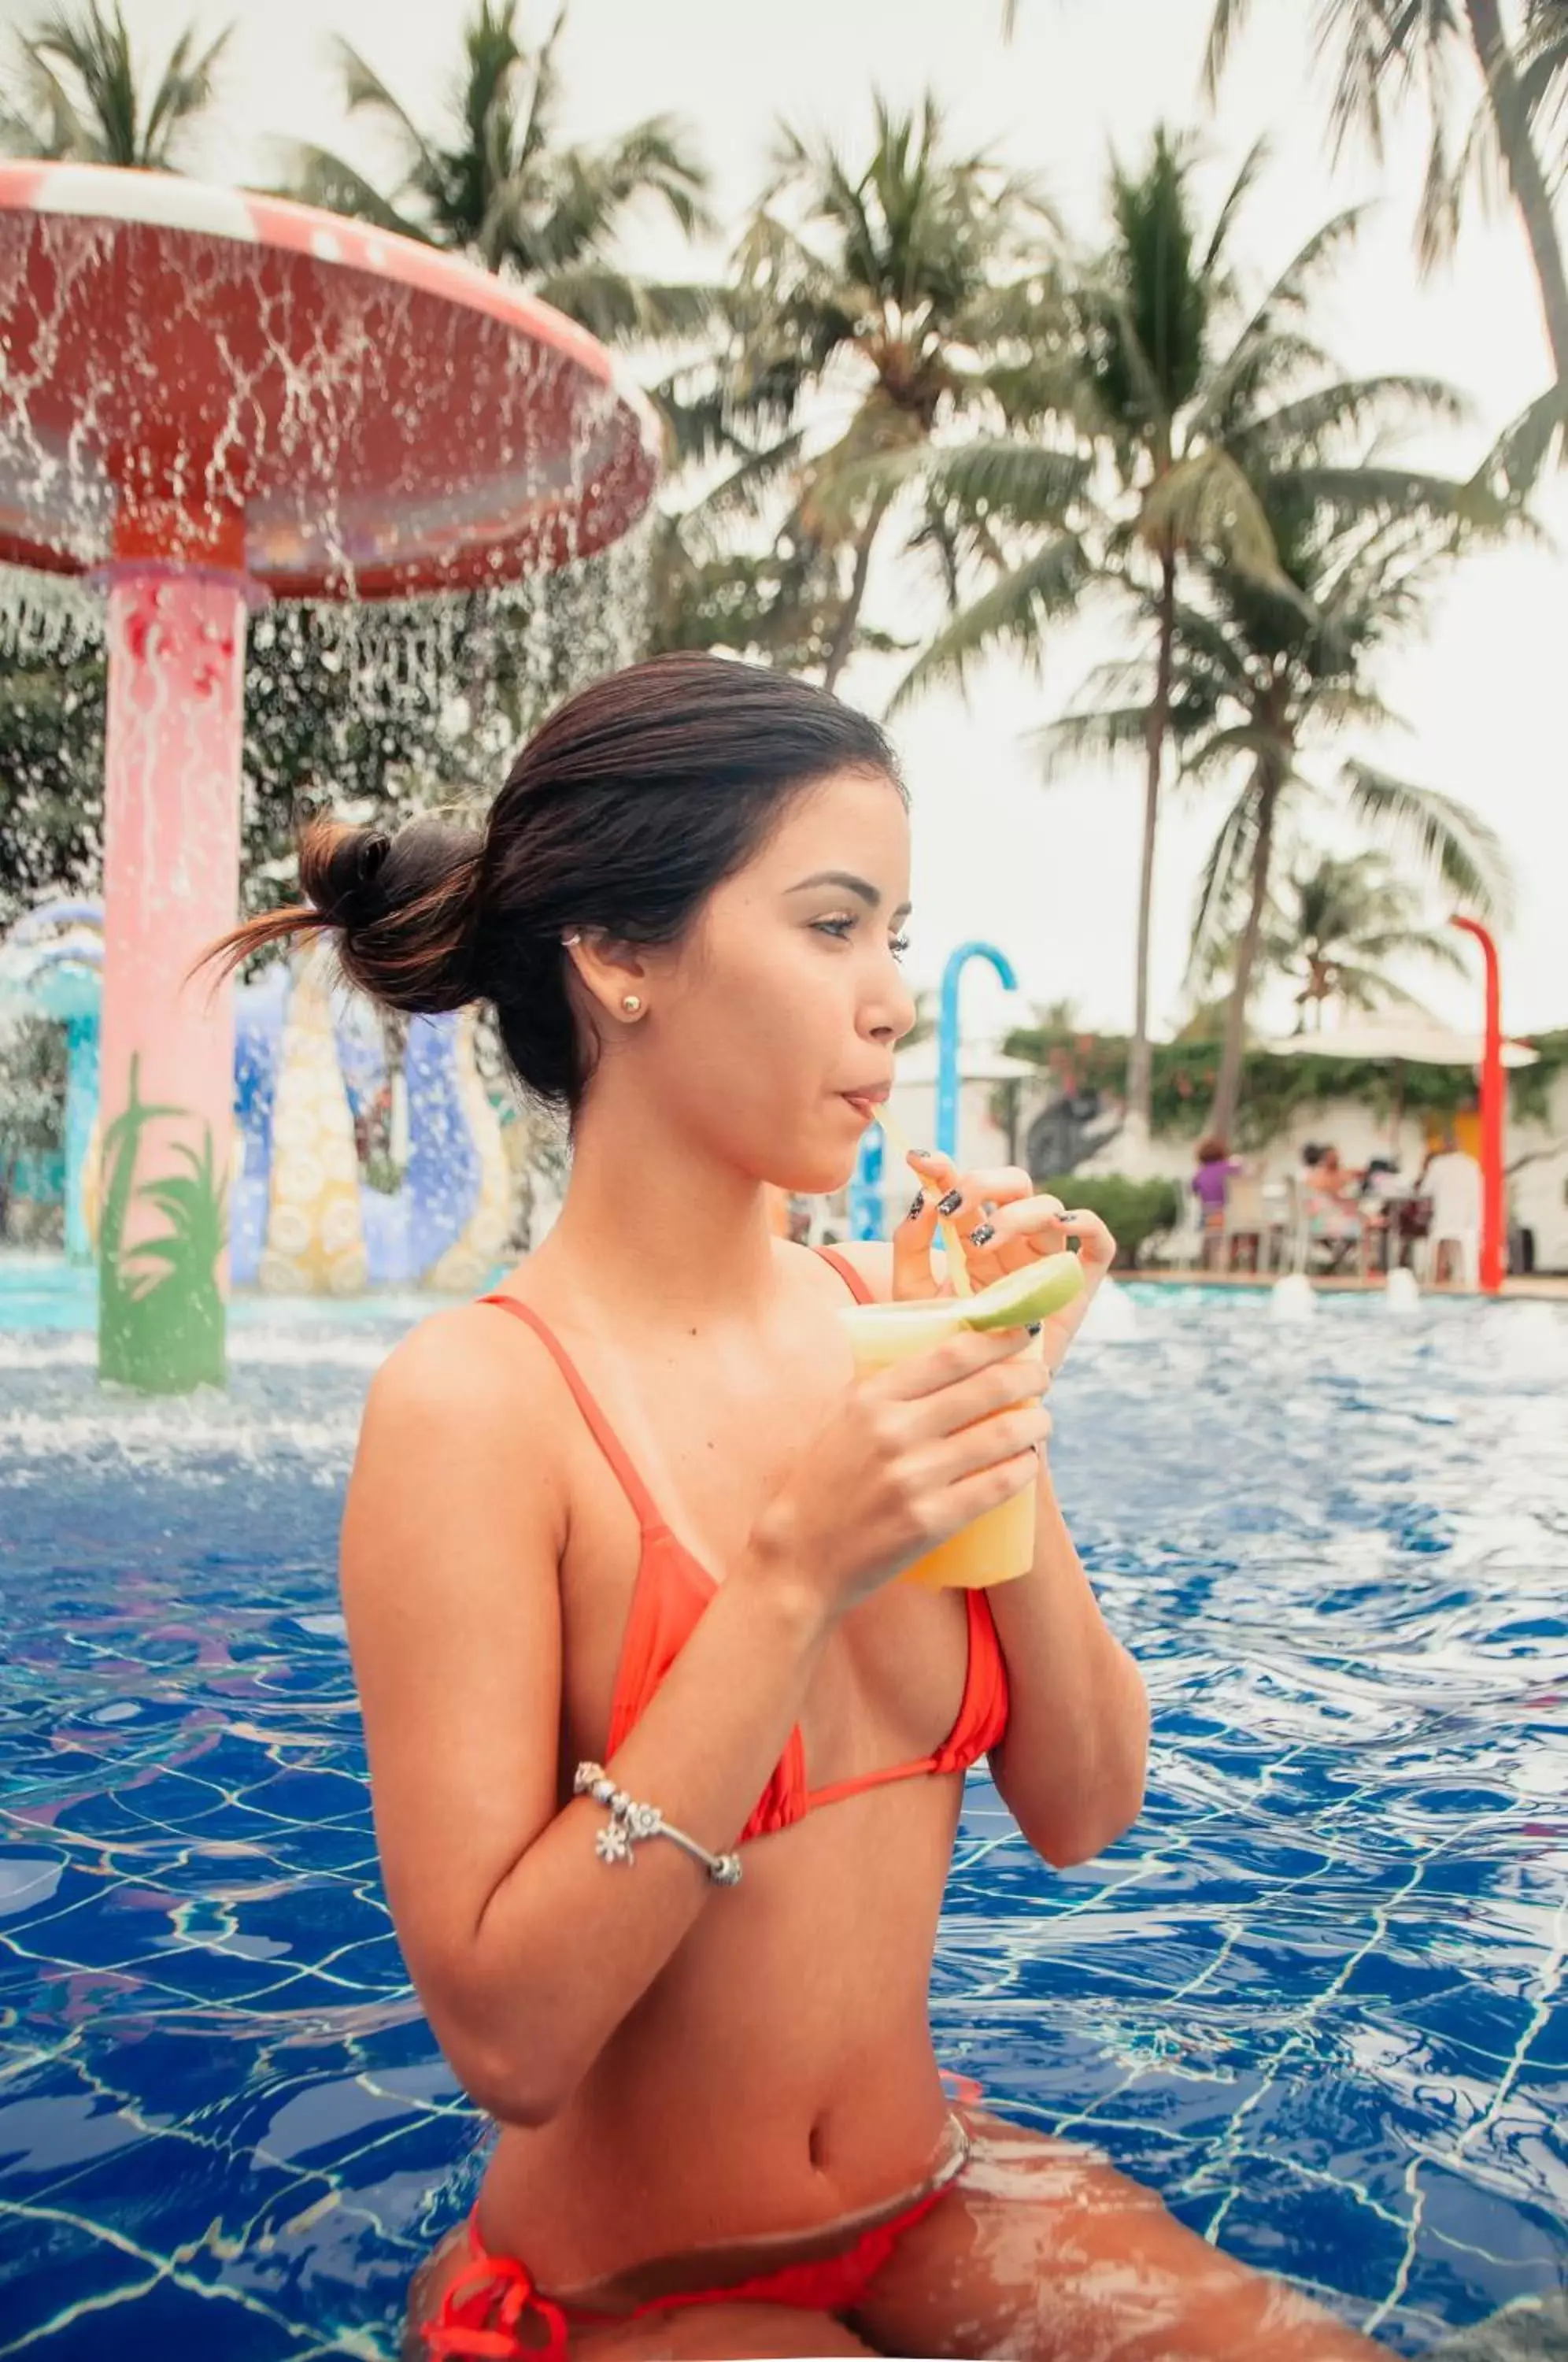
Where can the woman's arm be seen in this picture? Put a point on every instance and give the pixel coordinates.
(453, 1533)
(1071, 1765)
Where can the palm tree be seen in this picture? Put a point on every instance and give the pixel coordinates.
(1388, 46)
(495, 182)
(1184, 389)
(1259, 685)
(80, 96)
(1330, 930)
(900, 293)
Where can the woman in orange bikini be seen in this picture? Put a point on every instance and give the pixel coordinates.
(665, 1764)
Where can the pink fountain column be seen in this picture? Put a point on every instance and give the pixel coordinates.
(170, 875)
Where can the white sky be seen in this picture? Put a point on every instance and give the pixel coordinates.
(1050, 874)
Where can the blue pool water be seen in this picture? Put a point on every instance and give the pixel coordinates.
(1314, 1997)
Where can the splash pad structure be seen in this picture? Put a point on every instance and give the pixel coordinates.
(209, 400)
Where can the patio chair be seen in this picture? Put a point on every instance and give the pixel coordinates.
(1279, 1223)
(1296, 1238)
(1245, 1218)
(1181, 1247)
(1453, 1186)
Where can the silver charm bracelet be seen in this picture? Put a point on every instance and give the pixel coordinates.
(630, 1823)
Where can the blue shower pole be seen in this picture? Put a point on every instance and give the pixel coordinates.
(866, 1189)
(947, 1036)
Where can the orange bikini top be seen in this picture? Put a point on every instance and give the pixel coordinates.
(673, 1588)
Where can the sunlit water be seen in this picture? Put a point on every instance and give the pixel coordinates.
(1314, 1998)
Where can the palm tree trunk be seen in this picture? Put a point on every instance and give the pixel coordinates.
(1526, 178)
(842, 642)
(1140, 1094)
(1228, 1090)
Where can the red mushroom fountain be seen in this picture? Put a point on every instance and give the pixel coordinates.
(208, 399)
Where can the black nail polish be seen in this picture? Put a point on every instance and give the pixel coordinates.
(916, 1210)
(1035, 1326)
(926, 1152)
(984, 1235)
(950, 1203)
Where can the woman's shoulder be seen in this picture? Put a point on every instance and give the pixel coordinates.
(871, 1259)
(461, 1430)
(467, 1368)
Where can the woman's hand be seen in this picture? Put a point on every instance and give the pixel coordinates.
(906, 1458)
(1003, 1225)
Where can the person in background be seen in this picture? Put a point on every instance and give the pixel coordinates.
(1212, 1187)
(1333, 1211)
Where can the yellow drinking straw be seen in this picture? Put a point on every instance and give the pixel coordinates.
(962, 1285)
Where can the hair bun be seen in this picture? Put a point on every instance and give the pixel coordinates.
(372, 853)
(340, 865)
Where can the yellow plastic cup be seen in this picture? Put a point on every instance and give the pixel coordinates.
(999, 1545)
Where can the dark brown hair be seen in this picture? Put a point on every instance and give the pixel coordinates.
(1212, 1150)
(635, 799)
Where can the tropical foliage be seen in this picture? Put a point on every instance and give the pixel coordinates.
(1329, 931)
(1384, 51)
(1263, 683)
(494, 180)
(911, 360)
(895, 295)
(161, 1309)
(1197, 400)
(79, 94)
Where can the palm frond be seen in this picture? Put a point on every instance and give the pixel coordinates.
(1444, 834)
(534, 138)
(365, 92)
(1355, 493)
(1222, 887)
(1014, 613)
(654, 158)
(1205, 503)
(316, 177)
(1203, 639)
(745, 491)
(1351, 406)
(1240, 188)
(1003, 481)
(1104, 739)
(186, 86)
(1517, 460)
(1224, 27)
(620, 310)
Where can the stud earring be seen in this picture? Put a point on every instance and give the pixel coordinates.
(631, 1003)
(573, 938)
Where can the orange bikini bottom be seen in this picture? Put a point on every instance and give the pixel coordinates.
(485, 2307)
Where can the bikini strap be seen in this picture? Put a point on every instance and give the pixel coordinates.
(854, 1280)
(599, 1427)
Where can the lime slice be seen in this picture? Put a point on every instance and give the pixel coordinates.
(1021, 1298)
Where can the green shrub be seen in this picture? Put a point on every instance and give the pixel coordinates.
(1132, 1210)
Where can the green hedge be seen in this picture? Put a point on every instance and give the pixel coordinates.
(1134, 1210)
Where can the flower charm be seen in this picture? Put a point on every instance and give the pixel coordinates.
(642, 1820)
(611, 1844)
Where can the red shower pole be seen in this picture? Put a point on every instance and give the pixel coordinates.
(1493, 1258)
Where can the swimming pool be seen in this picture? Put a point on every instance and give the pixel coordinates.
(1315, 1997)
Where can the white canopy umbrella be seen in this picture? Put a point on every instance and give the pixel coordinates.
(1393, 1043)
